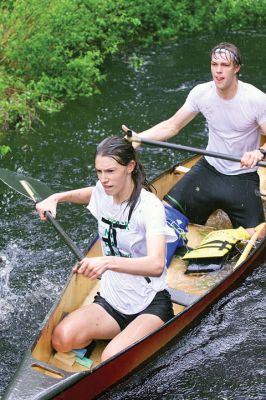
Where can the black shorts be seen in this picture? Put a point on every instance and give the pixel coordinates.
(161, 306)
(204, 190)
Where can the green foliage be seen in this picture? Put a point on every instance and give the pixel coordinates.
(160, 20)
(4, 150)
(241, 13)
(54, 50)
(136, 62)
(16, 102)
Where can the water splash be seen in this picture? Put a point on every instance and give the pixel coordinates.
(42, 292)
(4, 275)
(8, 299)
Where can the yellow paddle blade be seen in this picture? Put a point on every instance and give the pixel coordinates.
(29, 190)
(258, 231)
(27, 186)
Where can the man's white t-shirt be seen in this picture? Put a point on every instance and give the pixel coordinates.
(128, 293)
(233, 124)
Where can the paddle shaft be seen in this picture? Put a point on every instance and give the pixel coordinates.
(157, 143)
(30, 190)
(73, 247)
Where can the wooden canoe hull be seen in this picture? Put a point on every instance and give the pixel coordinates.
(37, 378)
(112, 372)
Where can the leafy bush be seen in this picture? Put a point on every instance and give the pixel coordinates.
(4, 150)
(159, 20)
(53, 50)
(16, 102)
(241, 13)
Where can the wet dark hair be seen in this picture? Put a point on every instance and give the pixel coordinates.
(232, 50)
(122, 151)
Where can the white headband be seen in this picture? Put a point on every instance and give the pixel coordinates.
(228, 53)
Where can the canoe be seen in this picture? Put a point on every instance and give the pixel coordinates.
(42, 376)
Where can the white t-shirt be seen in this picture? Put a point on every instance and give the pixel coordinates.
(128, 293)
(233, 124)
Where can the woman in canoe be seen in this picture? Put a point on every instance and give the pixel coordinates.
(132, 228)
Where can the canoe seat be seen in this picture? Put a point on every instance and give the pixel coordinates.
(183, 298)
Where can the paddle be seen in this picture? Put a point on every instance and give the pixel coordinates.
(138, 139)
(37, 191)
(258, 231)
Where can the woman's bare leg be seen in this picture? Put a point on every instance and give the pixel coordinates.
(137, 329)
(83, 325)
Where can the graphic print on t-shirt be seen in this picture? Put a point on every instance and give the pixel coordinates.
(110, 237)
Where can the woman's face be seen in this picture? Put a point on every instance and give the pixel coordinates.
(115, 178)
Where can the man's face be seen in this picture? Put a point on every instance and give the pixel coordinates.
(223, 70)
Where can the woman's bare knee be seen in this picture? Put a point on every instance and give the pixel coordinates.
(60, 340)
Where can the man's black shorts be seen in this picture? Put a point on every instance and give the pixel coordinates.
(203, 190)
(161, 306)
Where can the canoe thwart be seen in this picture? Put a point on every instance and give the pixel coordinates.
(180, 169)
(182, 298)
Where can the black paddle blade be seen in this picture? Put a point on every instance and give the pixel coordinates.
(29, 187)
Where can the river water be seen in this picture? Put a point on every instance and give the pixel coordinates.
(223, 355)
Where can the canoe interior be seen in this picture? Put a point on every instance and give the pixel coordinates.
(80, 291)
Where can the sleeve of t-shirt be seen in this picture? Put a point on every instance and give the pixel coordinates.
(261, 108)
(192, 99)
(94, 200)
(153, 217)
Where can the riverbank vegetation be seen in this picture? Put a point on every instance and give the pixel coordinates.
(54, 50)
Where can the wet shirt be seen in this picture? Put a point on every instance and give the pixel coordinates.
(128, 293)
(233, 124)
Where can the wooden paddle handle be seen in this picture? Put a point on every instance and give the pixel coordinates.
(250, 244)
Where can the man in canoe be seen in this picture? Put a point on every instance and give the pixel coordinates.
(236, 116)
(133, 300)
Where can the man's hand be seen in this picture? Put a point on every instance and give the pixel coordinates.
(251, 158)
(125, 129)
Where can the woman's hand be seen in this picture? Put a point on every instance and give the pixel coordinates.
(48, 204)
(93, 267)
(251, 158)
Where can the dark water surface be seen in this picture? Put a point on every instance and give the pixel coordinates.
(223, 355)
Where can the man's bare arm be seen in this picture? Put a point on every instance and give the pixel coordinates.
(170, 127)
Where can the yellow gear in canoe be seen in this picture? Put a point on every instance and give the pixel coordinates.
(217, 243)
